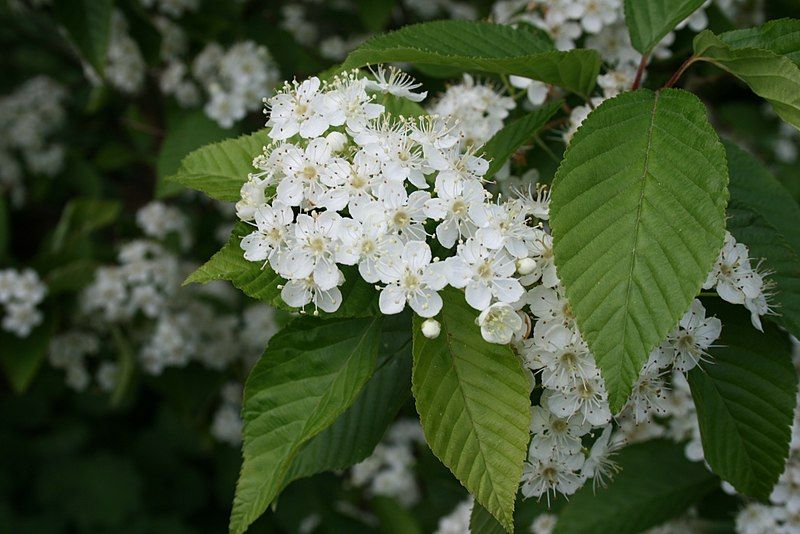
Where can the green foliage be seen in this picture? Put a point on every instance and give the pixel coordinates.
(21, 358)
(88, 24)
(504, 143)
(311, 372)
(358, 430)
(763, 216)
(657, 483)
(81, 217)
(638, 218)
(770, 75)
(482, 522)
(473, 401)
(745, 401)
(185, 132)
(649, 22)
(219, 170)
(484, 47)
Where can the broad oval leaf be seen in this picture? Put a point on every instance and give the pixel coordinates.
(473, 401)
(311, 372)
(358, 430)
(772, 76)
(88, 24)
(638, 218)
(21, 357)
(482, 46)
(186, 132)
(655, 484)
(763, 215)
(504, 143)
(781, 36)
(745, 399)
(220, 169)
(650, 21)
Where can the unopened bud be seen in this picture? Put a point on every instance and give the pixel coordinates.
(526, 266)
(431, 328)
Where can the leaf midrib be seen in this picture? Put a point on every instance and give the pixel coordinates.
(468, 409)
(643, 180)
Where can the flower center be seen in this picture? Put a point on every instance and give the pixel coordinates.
(485, 270)
(309, 173)
(401, 219)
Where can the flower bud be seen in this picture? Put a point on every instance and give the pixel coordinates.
(431, 328)
(526, 266)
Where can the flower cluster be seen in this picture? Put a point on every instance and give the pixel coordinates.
(738, 282)
(69, 352)
(365, 184)
(158, 220)
(457, 521)
(20, 294)
(125, 65)
(389, 470)
(235, 80)
(227, 423)
(28, 119)
(477, 110)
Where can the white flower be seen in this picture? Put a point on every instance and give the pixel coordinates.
(599, 466)
(313, 250)
(587, 400)
(563, 357)
(550, 305)
(599, 13)
(540, 249)
(499, 323)
(734, 278)
(537, 91)
(353, 106)
(550, 475)
(451, 207)
(544, 524)
(404, 213)
(690, 341)
(300, 292)
(364, 241)
(410, 277)
(553, 435)
(300, 108)
(502, 226)
(484, 273)
(309, 173)
(271, 234)
(396, 82)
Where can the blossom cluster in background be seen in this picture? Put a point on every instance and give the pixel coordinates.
(20, 294)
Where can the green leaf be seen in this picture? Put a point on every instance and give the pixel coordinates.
(219, 170)
(482, 522)
(473, 401)
(126, 366)
(745, 399)
(656, 483)
(650, 21)
(185, 132)
(358, 430)
(763, 215)
(81, 217)
(70, 277)
(772, 76)
(495, 48)
(638, 218)
(505, 142)
(375, 14)
(88, 24)
(311, 372)
(780, 36)
(21, 357)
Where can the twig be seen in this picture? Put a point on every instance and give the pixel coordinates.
(675, 77)
(640, 72)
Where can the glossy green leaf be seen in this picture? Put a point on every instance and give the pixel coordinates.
(88, 24)
(358, 430)
(638, 218)
(763, 215)
(650, 21)
(504, 143)
(657, 483)
(745, 399)
(219, 170)
(770, 75)
(473, 401)
(482, 46)
(781, 36)
(185, 133)
(311, 372)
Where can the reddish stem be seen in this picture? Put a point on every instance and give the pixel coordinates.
(675, 77)
(640, 72)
